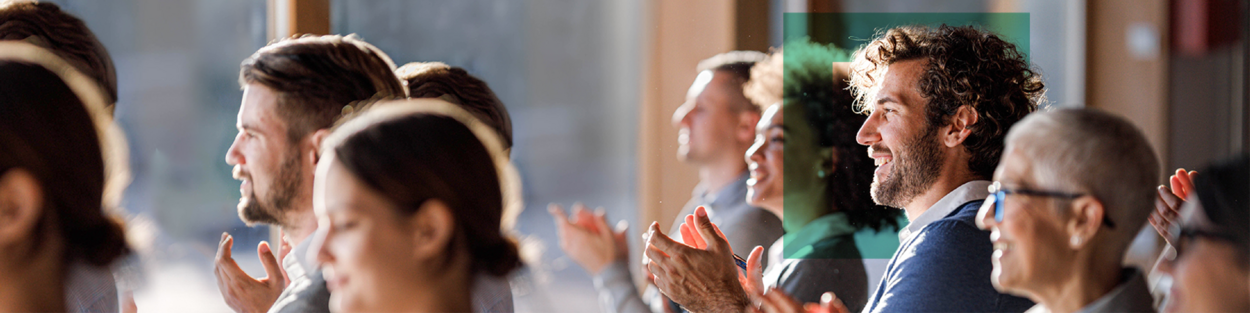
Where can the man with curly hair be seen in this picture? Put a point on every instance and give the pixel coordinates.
(939, 101)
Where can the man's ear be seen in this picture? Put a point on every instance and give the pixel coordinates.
(314, 140)
(1087, 215)
(745, 132)
(21, 204)
(432, 229)
(960, 126)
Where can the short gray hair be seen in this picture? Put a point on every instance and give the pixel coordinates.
(1094, 152)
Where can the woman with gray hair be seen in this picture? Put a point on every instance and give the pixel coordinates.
(1073, 188)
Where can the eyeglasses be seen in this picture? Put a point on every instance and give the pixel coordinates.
(1000, 195)
(1187, 235)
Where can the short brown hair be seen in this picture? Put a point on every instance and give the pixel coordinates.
(314, 77)
(967, 66)
(455, 85)
(738, 64)
(44, 24)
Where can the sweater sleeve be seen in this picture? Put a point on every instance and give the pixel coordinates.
(617, 293)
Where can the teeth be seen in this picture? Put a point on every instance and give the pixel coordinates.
(881, 162)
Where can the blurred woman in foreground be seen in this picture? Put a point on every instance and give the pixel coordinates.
(1211, 269)
(410, 201)
(56, 178)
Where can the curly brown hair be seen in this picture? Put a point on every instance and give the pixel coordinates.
(967, 66)
(44, 24)
(314, 77)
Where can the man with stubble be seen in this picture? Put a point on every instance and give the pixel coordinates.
(293, 92)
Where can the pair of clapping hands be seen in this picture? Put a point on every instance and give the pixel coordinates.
(701, 275)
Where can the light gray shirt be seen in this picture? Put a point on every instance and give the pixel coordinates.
(1131, 295)
(744, 225)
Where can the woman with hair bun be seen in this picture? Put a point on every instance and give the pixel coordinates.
(57, 173)
(410, 202)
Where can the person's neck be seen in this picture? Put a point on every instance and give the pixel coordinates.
(950, 178)
(33, 286)
(448, 290)
(720, 173)
(299, 224)
(1084, 285)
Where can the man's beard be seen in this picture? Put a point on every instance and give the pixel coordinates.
(915, 169)
(272, 210)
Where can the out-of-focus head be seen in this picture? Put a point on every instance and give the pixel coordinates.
(293, 91)
(57, 162)
(455, 85)
(45, 25)
(1212, 263)
(716, 123)
(938, 96)
(409, 196)
(824, 168)
(1076, 186)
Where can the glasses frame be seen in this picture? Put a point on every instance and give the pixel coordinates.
(1000, 195)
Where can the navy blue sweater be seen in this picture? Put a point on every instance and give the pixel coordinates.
(945, 267)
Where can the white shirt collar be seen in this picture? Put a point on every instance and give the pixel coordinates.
(969, 191)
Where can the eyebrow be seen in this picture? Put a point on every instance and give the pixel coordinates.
(782, 127)
(886, 99)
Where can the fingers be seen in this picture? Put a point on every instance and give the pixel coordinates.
(830, 303)
(267, 259)
(223, 247)
(558, 213)
(661, 243)
(708, 230)
(695, 240)
(699, 241)
(755, 267)
(781, 302)
(583, 218)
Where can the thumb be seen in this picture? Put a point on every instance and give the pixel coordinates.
(709, 231)
(755, 270)
(270, 262)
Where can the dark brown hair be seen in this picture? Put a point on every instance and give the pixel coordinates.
(966, 67)
(316, 76)
(455, 85)
(46, 130)
(738, 64)
(44, 24)
(421, 157)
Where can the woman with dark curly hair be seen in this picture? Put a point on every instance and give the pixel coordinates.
(826, 175)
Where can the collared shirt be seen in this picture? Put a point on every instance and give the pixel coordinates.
(969, 191)
(943, 263)
(307, 290)
(1131, 295)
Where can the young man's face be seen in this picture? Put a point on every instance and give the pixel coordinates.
(264, 159)
(904, 145)
(707, 120)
